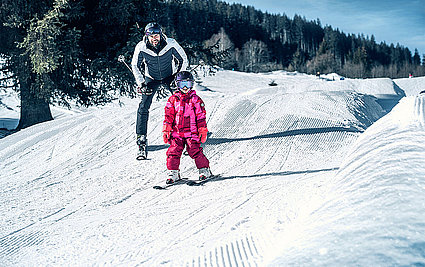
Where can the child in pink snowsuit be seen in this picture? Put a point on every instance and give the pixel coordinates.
(185, 125)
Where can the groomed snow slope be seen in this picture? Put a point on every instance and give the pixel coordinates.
(375, 209)
(411, 86)
(73, 194)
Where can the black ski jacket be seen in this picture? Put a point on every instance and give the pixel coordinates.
(158, 65)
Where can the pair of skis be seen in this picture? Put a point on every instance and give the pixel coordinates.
(187, 182)
(143, 155)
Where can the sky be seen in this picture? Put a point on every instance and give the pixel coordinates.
(392, 21)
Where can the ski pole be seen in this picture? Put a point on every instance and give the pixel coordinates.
(121, 59)
(201, 62)
(192, 69)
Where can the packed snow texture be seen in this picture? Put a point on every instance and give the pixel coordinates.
(313, 172)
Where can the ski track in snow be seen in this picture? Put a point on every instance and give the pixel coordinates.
(73, 194)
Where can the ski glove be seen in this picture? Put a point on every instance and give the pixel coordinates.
(140, 88)
(203, 131)
(143, 89)
(166, 133)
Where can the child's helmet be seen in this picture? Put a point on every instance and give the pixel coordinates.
(184, 79)
(184, 76)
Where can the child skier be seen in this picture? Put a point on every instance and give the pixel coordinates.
(185, 125)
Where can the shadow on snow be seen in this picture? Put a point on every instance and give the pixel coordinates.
(216, 141)
(284, 173)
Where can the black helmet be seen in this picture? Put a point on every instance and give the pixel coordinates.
(153, 28)
(184, 76)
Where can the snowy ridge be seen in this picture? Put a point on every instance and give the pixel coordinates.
(411, 86)
(305, 166)
(377, 195)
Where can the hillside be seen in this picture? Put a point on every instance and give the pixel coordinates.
(313, 171)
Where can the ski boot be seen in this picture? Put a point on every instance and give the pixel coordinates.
(143, 145)
(205, 173)
(173, 176)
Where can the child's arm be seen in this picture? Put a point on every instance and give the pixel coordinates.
(201, 119)
(200, 112)
(170, 113)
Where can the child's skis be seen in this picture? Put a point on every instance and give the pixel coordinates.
(163, 187)
(201, 182)
(186, 181)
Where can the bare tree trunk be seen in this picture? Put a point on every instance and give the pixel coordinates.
(34, 107)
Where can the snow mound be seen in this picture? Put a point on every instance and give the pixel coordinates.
(412, 86)
(378, 195)
(383, 179)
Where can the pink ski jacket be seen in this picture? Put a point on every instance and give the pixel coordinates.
(186, 114)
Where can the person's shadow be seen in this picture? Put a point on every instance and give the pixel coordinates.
(284, 173)
(216, 141)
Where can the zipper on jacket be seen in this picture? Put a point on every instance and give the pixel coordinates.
(159, 68)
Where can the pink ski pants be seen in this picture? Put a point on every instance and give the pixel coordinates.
(194, 149)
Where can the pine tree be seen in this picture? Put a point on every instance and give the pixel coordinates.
(49, 61)
(416, 58)
(35, 30)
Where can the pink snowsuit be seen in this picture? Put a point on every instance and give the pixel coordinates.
(185, 113)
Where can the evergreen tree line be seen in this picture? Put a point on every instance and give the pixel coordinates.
(55, 51)
(259, 41)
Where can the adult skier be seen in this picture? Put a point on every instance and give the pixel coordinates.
(155, 62)
(185, 126)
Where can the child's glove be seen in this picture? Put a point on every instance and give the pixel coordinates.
(166, 133)
(203, 131)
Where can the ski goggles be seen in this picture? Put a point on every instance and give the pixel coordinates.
(152, 31)
(182, 84)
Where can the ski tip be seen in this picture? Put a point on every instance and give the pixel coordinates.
(191, 183)
(141, 158)
(202, 182)
(158, 187)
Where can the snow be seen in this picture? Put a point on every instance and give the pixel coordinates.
(377, 200)
(412, 86)
(313, 172)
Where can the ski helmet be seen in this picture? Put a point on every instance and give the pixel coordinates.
(153, 28)
(184, 79)
(184, 76)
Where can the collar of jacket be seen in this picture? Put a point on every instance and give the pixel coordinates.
(181, 96)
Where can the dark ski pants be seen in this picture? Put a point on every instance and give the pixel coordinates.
(194, 149)
(146, 102)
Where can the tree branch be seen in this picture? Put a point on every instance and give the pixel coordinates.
(7, 86)
(7, 78)
(4, 68)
